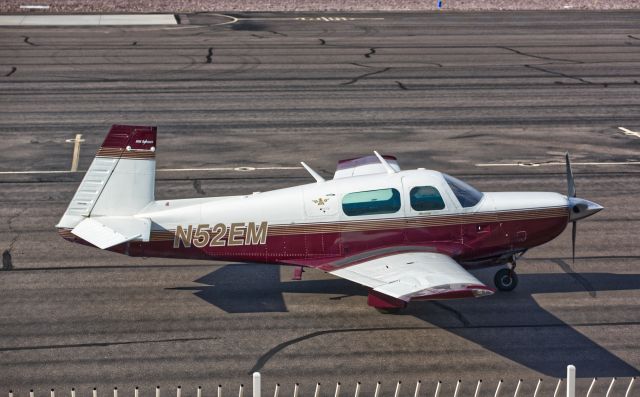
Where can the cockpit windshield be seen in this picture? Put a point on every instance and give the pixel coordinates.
(466, 194)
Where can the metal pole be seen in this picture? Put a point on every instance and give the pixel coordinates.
(219, 390)
(437, 394)
(317, 392)
(178, 392)
(417, 392)
(276, 392)
(31, 393)
(157, 391)
(517, 388)
(295, 390)
(257, 385)
(610, 386)
(477, 393)
(337, 394)
(241, 390)
(498, 388)
(10, 393)
(76, 151)
(53, 393)
(198, 392)
(571, 381)
(115, 392)
(73, 392)
(593, 382)
(555, 393)
(95, 393)
(397, 393)
(357, 394)
(136, 392)
(535, 393)
(455, 393)
(628, 393)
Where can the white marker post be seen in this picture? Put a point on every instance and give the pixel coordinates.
(76, 151)
(571, 381)
(257, 386)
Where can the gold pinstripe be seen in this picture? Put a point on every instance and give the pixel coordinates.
(121, 153)
(399, 223)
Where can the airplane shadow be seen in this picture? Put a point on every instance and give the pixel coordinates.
(512, 324)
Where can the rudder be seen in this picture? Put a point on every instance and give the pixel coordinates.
(121, 178)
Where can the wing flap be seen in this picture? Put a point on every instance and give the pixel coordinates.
(105, 232)
(415, 275)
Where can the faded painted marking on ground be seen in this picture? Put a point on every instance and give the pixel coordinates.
(628, 132)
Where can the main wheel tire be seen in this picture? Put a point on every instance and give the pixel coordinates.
(505, 280)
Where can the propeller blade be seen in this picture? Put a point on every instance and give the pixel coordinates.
(571, 186)
(574, 231)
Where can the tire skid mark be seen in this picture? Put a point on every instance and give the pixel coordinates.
(358, 78)
(262, 361)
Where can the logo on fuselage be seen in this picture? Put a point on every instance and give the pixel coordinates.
(221, 235)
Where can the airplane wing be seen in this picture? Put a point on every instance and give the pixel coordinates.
(415, 275)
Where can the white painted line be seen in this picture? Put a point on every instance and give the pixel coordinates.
(629, 132)
(34, 7)
(532, 164)
(238, 169)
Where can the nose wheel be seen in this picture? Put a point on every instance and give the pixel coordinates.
(506, 279)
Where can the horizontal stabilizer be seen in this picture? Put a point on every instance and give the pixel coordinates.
(105, 232)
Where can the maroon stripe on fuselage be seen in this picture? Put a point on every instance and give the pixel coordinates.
(327, 246)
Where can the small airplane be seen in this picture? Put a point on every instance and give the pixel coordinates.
(406, 235)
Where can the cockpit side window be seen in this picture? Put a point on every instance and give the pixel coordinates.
(467, 195)
(371, 202)
(426, 198)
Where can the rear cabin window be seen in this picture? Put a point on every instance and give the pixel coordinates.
(426, 198)
(371, 202)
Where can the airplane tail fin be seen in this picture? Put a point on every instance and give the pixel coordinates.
(121, 178)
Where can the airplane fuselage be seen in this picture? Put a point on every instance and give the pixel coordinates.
(312, 225)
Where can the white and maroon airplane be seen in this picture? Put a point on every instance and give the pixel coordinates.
(406, 235)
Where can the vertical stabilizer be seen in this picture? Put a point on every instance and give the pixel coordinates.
(121, 178)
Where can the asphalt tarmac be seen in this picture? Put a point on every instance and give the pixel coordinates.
(456, 92)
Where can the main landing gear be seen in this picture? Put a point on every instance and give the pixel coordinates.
(506, 279)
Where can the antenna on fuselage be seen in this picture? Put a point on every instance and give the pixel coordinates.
(384, 162)
(314, 174)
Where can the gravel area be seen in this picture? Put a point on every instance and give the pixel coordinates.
(58, 6)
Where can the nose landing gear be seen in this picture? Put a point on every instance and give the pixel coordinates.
(506, 279)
